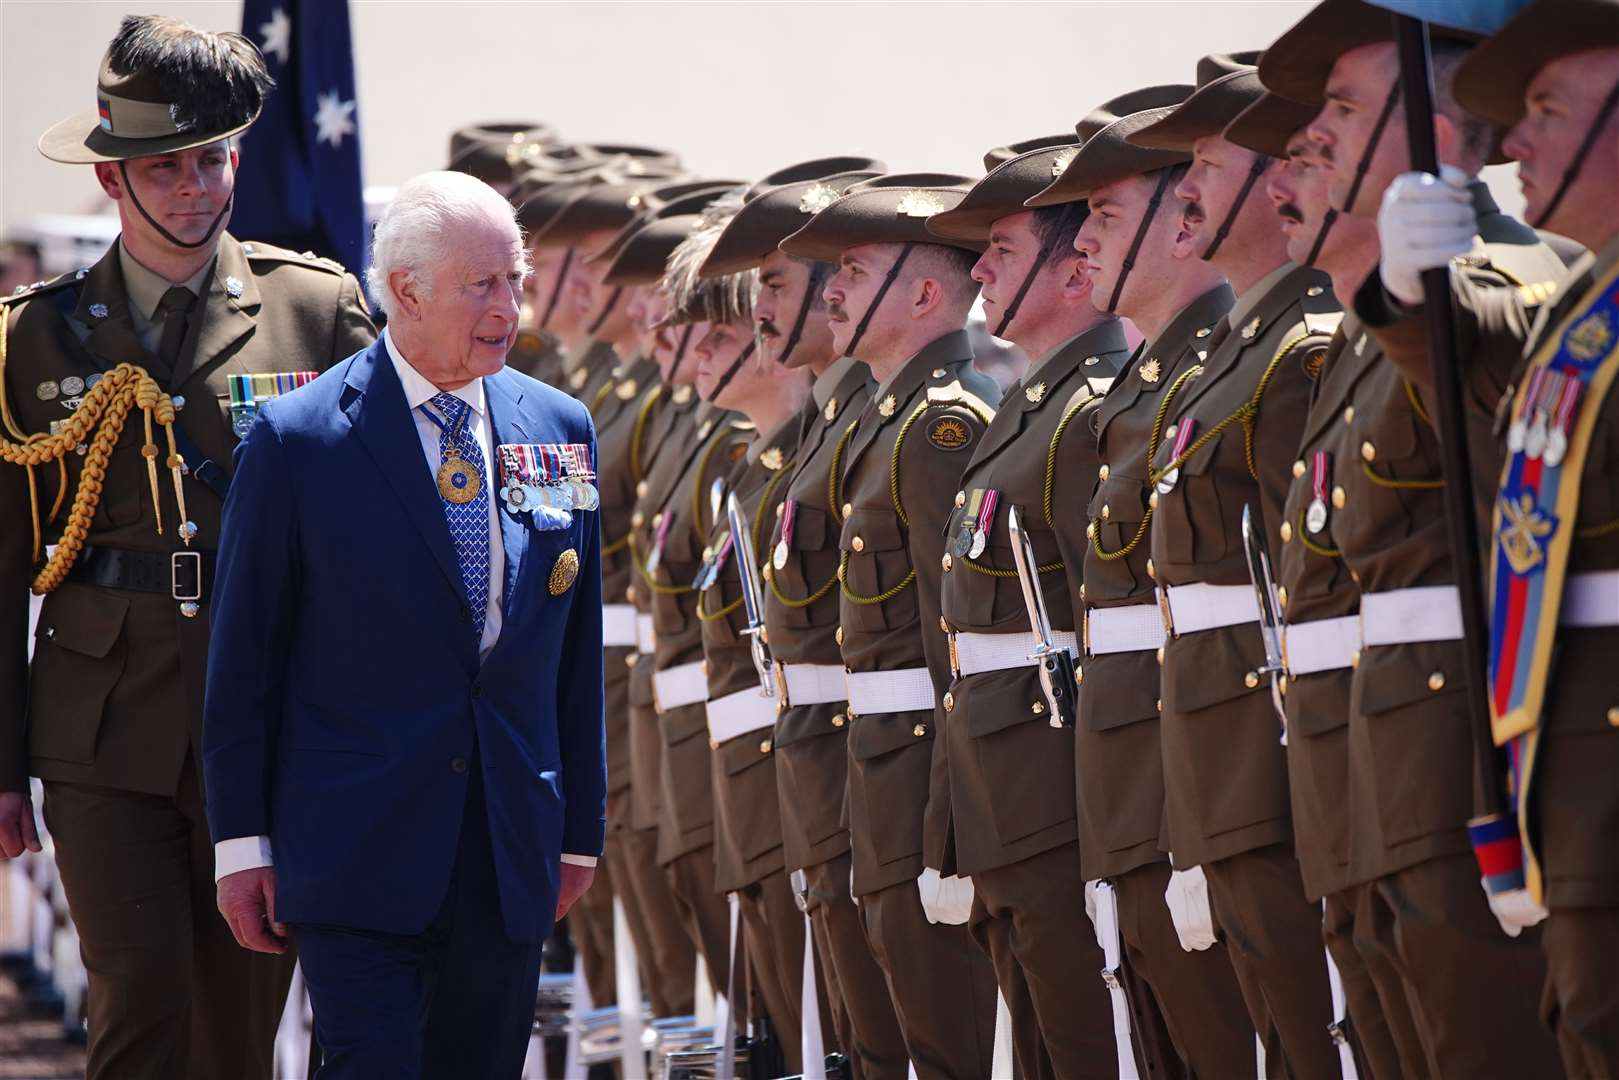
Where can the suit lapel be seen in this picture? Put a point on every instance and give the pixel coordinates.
(382, 419)
(506, 418)
(226, 319)
(103, 312)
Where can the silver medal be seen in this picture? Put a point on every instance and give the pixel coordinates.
(1315, 516)
(1556, 447)
(778, 557)
(1515, 434)
(1167, 482)
(1534, 440)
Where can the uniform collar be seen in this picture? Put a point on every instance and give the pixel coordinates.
(827, 381)
(766, 438)
(1253, 294)
(146, 287)
(955, 345)
(1104, 337)
(417, 388)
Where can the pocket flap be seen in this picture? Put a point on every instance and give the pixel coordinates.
(809, 528)
(743, 753)
(1211, 667)
(1393, 677)
(810, 722)
(681, 723)
(1200, 462)
(1319, 702)
(875, 736)
(877, 530)
(1001, 699)
(83, 620)
(1124, 496)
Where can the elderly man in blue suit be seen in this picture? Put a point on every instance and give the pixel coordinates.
(403, 734)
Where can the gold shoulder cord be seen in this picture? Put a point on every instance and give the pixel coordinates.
(104, 410)
(1152, 452)
(758, 518)
(636, 472)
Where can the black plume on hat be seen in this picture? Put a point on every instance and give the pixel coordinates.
(215, 81)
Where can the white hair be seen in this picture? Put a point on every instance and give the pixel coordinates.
(416, 230)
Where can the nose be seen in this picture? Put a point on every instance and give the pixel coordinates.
(1186, 190)
(1086, 244)
(981, 273)
(1516, 145)
(1317, 131)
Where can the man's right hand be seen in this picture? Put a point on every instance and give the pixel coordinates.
(18, 833)
(247, 900)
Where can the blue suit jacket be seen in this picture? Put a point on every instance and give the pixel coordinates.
(345, 695)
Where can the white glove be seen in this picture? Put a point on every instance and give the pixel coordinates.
(1515, 910)
(1188, 899)
(947, 900)
(1424, 223)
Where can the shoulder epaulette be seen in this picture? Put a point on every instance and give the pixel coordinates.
(1322, 310)
(260, 252)
(39, 288)
(953, 393)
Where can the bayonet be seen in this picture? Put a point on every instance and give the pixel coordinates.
(752, 601)
(1270, 611)
(1057, 677)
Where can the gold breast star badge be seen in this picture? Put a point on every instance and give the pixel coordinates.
(888, 406)
(1151, 371)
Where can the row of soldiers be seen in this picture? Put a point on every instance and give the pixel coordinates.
(954, 663)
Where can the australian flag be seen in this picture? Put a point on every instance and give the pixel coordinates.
(299, 182)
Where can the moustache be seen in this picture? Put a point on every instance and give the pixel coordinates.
(835, 313)
(768, 329)
(1192, 214)
(1289, 212)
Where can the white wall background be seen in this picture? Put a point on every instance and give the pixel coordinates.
(738, 88)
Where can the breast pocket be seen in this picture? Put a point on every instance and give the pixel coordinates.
(1117, 508)
(1397, 465)
(878, 572)
(811, 565)
(1191, 523)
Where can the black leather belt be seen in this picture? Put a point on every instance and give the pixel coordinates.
(181, 575)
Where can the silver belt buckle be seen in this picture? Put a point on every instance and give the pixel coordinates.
(1110, 977)
(185, 576)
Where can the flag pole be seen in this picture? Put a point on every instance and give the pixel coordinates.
(1411, 41)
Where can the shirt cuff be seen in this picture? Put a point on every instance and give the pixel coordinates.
(241, 853)
(579, 860)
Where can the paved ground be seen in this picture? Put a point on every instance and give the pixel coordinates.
(33, 1048)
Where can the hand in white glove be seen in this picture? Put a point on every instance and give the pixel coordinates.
(1515, 910)
(1425, 222)
(947, 900)
(1188, 899)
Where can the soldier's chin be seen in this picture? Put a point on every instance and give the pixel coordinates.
(841, 333)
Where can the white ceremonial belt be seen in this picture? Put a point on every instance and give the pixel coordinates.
(1590, 599)
(1196, 607)
(683, 684)
(813, 684)
(1321, 644)
(618, 625)
(906, 690)
(977, 653)
(739, 713)
(1132, 628)
(646, 638)
(1406, 616)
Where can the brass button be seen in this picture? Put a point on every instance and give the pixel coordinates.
(919, 730)
(764, 634)
(938, 373)
(1107, 511)
(1037, 708)
(944, 626)
(1287, 532)
(1613, 716)
(1170, 434)
(1349, 414)
(629, 659)
(1160, 654)
(946, 562)
(638, 519)
(705, 669)
(1281, 684)
(1354, 575)
(1436, 681)
(839, 720)
(629, 595)
(1090, 530)
(657, 519)
(1152, 571)
(1340, 497)
(1079, 675)
(1313, 290)
(1298, 468)
(713, 744)
(1101, 474)
(1158, 703)
(1281, 596)
(1251, 679)
(848, 508)
(949, 701)
(1152, 501)
(780, 508)
(1354, 659)
(1368, 451)
(858, 544)
(838, 637)
(961, 498)
(764, 746)
(641, 489)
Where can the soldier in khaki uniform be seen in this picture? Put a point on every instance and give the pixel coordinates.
(800, 557)
(1549, 76)
(1425, 923)
(1323, 628)
(1005, 763)
(898, 303)
(1140, 268)
(1228, 438)
(181, 323)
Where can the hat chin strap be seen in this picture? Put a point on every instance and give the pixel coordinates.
(208, 237)
(680, 352)
(730, 372)
(882, 291)
(1260, 164)
(817, 275)
(1140, 238)
(556, 290)
(1040, 258)
(1327, 221)
(612, 302)
(1572, 173)
(1365, 164)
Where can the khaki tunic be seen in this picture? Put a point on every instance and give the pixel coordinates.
(1009, 773)
(114, 698)
(1225, 771)
(811, 741)
(1119, 767)
(892, 540)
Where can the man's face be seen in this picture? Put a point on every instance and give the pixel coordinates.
(1357, 91)
(542, 286)
(1005, 264)
(1562, 100)
(1105, 238)
(1210, 188)
(676, 352)
(716, 352)
(183, 191)
(598, 307)
(1298, 191)
(466, 321)
(785, 284)
(851, 290)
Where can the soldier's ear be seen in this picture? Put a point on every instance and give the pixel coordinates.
(111, 181)
(929, 294)
(1076, 283)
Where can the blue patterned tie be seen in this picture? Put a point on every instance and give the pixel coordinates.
(468, 521)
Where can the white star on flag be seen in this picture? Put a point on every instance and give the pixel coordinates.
(333, 119)
(277, 35)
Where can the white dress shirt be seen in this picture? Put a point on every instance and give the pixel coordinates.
(250, 852)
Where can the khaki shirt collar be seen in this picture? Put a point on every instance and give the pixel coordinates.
(829, 379)
(1256, 292)
(146, 287)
